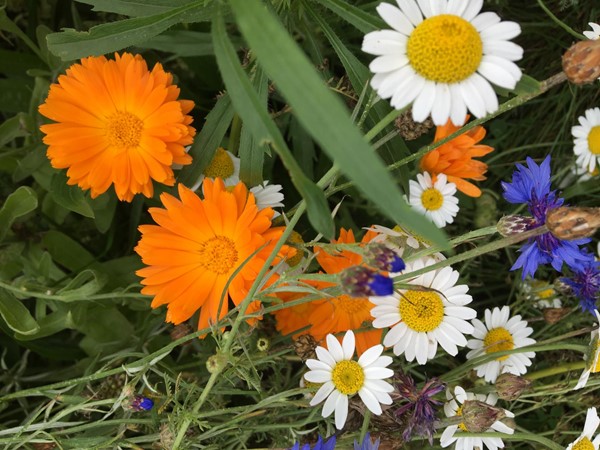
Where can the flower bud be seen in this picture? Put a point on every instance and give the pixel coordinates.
(554, 315)
(510, 387)
(514, 224)
(581, 62)
(305, 346)
(479, 416)
(262, 344)
(216, 363)
(359, 281)
(409, 129)
(569, 222)
(486, 210)
(383, 258)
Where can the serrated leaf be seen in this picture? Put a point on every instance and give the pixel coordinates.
(21, 202)
(70, 197)
(16, 315)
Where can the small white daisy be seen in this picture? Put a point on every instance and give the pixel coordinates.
(452, 433)
(223, 165)
(268, 196)
(585, 442)
(499, 333)
(443, 57)
(435, 200)
(343, 377)
(592, 363)
(434, 313)
(587, 140)
(595, 33)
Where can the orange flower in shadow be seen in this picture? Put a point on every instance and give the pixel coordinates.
(332, 314)
(455, 158)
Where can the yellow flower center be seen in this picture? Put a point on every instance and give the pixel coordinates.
(432, 199)
(583, 444)
(445, 48)
(221, 165)
(461, 425)
(421, 311)
(498, 340)
(594, 140)
(348, 377)
(124, 130)
(218, 255)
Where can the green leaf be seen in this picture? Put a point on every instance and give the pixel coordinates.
(70, 197)
(18, 63)
(86, 283)
(14, 94)
(208, 140)
(110, 37)
(527, 85)
(13, 128)
(105, 207)
(16, 315)
(256, 117)
(182, 43)
(21, 202)
(49, 325)
(363, 21)
(323, 115)
(136, 8)
(35, 157)
(66, 251)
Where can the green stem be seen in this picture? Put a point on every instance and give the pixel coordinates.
(365, 425)
(380, 126)
(567, 367)
(560, 23)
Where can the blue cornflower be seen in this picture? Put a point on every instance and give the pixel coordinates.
(320, 445)
(141, 403)
(585, 285)
(531, 185)
(360, 281)
(366, 444)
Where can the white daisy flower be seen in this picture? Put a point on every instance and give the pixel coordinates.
(499, 334)
(223, 165)
(452, 433)
(587, 140)
(592, 363)
(585, 442)
(443, 57)
(268, 196)
(434, 313)
(435, 200)
(343, 377)
(595, 33)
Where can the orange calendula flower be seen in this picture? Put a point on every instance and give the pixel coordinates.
(455, 158)
(332, 314)
(196, 247)
(117, 123)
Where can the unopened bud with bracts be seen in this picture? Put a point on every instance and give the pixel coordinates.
(581, 62)
(359, 281)
(141, 403)
(383, 257)
(510, 387)
(514, 224)
(571, 222)
(305, 347)
(478, 416)
(411, 130)
(554, 315)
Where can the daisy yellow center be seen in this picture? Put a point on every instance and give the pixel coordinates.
(594, 140)
(218, 255)
(432, 199)
(445, 48)
(221, 165)
(461, 425)
(348, 377)
(594, 368)
(546, 293)
(498, 340)
(124, 130)
(421, 311)
(584, 444)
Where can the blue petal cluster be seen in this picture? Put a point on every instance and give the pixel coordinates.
(320, 445)
(531, 185)
(366, 444)
(585, 285)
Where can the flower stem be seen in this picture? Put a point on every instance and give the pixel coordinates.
(560, 23)
(555, 370)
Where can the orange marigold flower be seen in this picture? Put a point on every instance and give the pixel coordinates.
(455, 158)
(117, 123)
(332, 314)
(197, 247)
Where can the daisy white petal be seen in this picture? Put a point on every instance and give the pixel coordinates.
(435, 200)
(587, 140)
(595, 33)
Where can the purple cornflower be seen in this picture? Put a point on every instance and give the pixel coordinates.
(531, 185)
(419, 413)
(585, 285)
(360, 281)
(382, 257)
(366, 444)
(320, 445)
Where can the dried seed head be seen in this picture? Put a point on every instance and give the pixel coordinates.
(554, 315)
(514, 224)
(411, 130)
(479, 416)
(510, 387)
(179, 331)
(570, 222)
(581, 62)
(305, 347)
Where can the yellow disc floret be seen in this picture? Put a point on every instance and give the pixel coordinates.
(432, 199)
(583, 444)
(124, 130)
(498, 340)
(445, 49)
(221, 165)
(594, 140)
(348, 377)
(461, 425)
(218, 254)
(421, 311)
